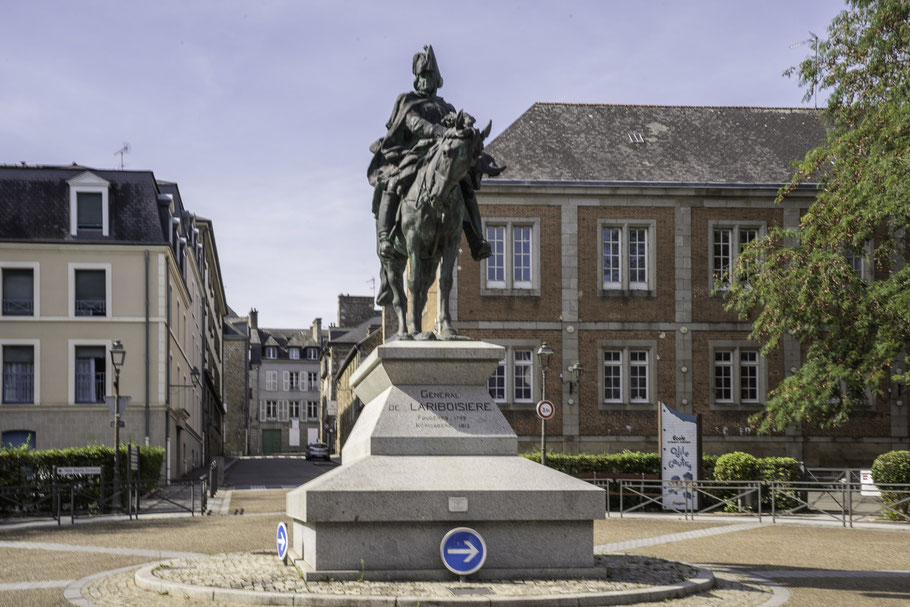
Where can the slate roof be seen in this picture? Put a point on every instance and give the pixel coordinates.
(562, 142)
(34, 204)
(354, 335)
(280, 338)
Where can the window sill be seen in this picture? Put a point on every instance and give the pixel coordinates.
(513, 292)
(715, 406)
(631, 293)
(602, 406)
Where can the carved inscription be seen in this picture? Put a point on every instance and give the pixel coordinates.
(441, 409)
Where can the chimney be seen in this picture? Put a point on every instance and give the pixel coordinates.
(354, 309)
(254, 319)
(317, 331)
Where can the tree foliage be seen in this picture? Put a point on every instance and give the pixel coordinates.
(854, 329)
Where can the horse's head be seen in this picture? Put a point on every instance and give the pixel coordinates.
(455, 155)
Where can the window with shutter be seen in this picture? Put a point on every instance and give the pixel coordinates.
(89, 211)
(262, 411)
(286, 381)
(282, 410)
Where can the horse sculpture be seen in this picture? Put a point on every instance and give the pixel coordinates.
(429, 227)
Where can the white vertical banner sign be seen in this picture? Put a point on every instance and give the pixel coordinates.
(680, 457)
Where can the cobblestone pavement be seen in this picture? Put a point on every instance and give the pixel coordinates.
(120, 590)
(264, 573)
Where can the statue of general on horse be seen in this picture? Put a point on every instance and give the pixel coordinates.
(425, 171)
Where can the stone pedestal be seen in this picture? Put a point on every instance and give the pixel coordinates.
(431, 451)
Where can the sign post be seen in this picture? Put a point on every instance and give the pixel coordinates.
(463, 551)
(281, 541)
(680, 457)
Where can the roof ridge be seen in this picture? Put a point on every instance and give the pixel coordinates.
(657, 105)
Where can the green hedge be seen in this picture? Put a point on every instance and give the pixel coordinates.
(893, 468)
(626, 462)
(27, 475)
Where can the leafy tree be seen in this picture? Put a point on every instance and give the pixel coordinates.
(855, 329)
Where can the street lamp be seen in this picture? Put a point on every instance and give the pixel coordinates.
(574, 375)
(118, 355)
(544, 352)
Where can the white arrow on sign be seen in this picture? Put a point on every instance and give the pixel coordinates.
(471, 551)
(281, 542)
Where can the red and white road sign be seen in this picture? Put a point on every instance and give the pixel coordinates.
(545, 409)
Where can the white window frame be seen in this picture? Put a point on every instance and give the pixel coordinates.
(286, 381)
(294, 353)
(624, 285)
(36, 365)
(108, 374)
(865, 269)
(312, 354)
(510, 402)
(293, 383)
(735, 246)
(89, 183)
(108, 293)
(736, 347)
(264, 413)
(314, 405)
(294, 409)
(625, 348)
(35, 267)
(270, 353)
(271, 380)
(509, 286)
(312, 380)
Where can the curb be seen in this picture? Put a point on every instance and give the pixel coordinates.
(145, 579)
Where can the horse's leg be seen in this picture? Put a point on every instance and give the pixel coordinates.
(446, 280)
(395, 270)
(414, 321)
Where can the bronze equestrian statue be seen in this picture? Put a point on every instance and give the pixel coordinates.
(424, 173)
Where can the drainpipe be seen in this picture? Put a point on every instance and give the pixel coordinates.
(147, 357)
(167, 375)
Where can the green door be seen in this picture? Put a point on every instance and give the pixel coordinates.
(271, 441)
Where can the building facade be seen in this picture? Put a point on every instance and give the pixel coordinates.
(89, 257)
(284, 388)
(614, 230)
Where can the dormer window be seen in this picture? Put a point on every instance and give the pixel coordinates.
(294, 353)
(271, 352)
(312, 354)
(89, 205)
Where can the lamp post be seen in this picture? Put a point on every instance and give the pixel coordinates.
(574, 371)
(118, 354)
(544, 352)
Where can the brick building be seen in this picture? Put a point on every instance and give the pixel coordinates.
(236, 330)
(610, 229)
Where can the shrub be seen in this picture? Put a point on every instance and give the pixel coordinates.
(784, 469)
(28, 475)
(737, 466)
(893, 468)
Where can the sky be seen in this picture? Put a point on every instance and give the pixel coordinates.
(263, 112)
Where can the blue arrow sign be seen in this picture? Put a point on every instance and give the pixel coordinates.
(463, 551)
(281, 539)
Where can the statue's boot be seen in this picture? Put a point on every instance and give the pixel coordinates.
(385, 221)
(473, 227)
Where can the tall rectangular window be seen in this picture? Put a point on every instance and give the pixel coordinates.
(18, 374)
(638, 258)
(312, 354)
(271, 381)
(722, 259)
(271, 352)
(497, 383)
(612, 376)
(294, 353)
(612, 249)
(313, 381)
(294, 381)
(294, 409)
(625, 255)
(18, 292)
(727, 243)
(496, 263)
(638, 376)
(521, 256)
(748, 376)
(524, 376)
(89, 211)
(91, 363)
(312, 409)
(723, 376)
(91, 293)
(271, 409)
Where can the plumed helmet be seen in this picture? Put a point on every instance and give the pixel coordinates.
(425, 62)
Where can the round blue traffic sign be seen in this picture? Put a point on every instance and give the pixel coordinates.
(281, 540)
(463, 551)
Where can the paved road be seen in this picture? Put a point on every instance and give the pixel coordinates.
(275, 472)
